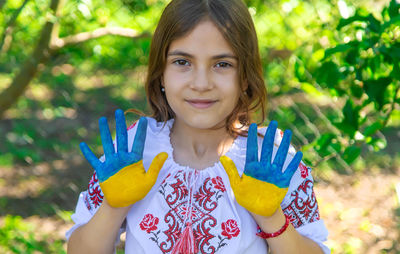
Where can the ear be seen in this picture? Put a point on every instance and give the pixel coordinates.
(162, 81)
(245, 86)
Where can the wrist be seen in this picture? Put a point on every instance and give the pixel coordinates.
(118, 211)
(271, 224)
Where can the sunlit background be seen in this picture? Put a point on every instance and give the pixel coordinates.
(332, 73)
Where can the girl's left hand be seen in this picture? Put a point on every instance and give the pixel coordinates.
(263, 185)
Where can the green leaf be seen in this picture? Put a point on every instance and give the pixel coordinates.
(374, 24)
(323, 143)
(375, 90)
(392, 21)
(339, 48)
(311, 90)
(356, 90)
(328, 74)
(373, 128)
(394, 9)
(377, 143)
(394, 52)
(299, 71)
(357, 17)
(350, 122)
(395, 74)
(352, 55)
(351, 154)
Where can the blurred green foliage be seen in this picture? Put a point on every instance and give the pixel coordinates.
(365, 70)
(323, 50)
(17, 236)
(331, 69)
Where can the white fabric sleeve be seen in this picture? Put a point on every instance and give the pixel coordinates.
(301, 206)
(81, 215)
(88, 203)
(300, 203)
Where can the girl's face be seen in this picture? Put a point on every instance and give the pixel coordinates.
(201, 78)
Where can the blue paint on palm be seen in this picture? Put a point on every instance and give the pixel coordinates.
(116, 160)
(264, 169)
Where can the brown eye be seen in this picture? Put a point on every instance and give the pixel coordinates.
(223, 65)
(181, 62)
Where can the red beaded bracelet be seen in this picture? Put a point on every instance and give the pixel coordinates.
(264, 235)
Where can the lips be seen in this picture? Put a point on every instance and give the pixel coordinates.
(201, 103)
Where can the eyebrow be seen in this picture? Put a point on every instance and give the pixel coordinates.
(182, 53)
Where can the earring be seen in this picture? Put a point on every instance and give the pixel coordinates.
(162, 89)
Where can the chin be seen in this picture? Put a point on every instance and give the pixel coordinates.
(206, 123)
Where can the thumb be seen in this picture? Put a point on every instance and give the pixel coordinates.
(156, 166)
(230, 170)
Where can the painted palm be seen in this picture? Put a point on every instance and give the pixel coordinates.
(122, 176)
(263, 185)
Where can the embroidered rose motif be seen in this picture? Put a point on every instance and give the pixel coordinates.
(218, 184)
(149, 223)
(230, 229)
(303, 170)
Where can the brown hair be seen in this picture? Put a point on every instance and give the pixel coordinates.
(234, 22)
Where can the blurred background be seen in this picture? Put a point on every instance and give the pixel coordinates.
(332, 73)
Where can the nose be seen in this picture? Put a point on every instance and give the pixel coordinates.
(202, 80)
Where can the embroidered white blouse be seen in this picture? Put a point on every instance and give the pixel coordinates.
(205, 199)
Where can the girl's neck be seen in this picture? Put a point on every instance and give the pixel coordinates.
(198, 148)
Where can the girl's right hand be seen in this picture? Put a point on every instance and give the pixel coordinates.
(123, 179)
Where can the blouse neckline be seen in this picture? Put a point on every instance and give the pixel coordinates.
(233, 150)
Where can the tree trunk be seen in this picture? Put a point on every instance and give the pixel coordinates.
(48, 44)
(40, 54)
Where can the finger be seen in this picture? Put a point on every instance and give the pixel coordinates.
(283, 149)
(230, 170)
(122, 134)
(156, 166)
(268, 142)
(89, 155)
(252, 144)
(106, 139)
(291, 169)
(140, 138)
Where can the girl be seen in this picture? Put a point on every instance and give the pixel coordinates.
(191, 178)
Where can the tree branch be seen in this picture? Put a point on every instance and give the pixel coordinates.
(2, 2)
(10, 25)
(85, 36)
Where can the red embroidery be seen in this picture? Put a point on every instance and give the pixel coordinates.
(96, 196)
(87, 203)
(304, 207)
(130, 127)
(199, 210)
(303, 170)
(230, 229)
(149, 223)
(94, 191)
(218, 184)
(93, 180)
(179, 192)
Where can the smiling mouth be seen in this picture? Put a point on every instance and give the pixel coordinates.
(201, 104)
